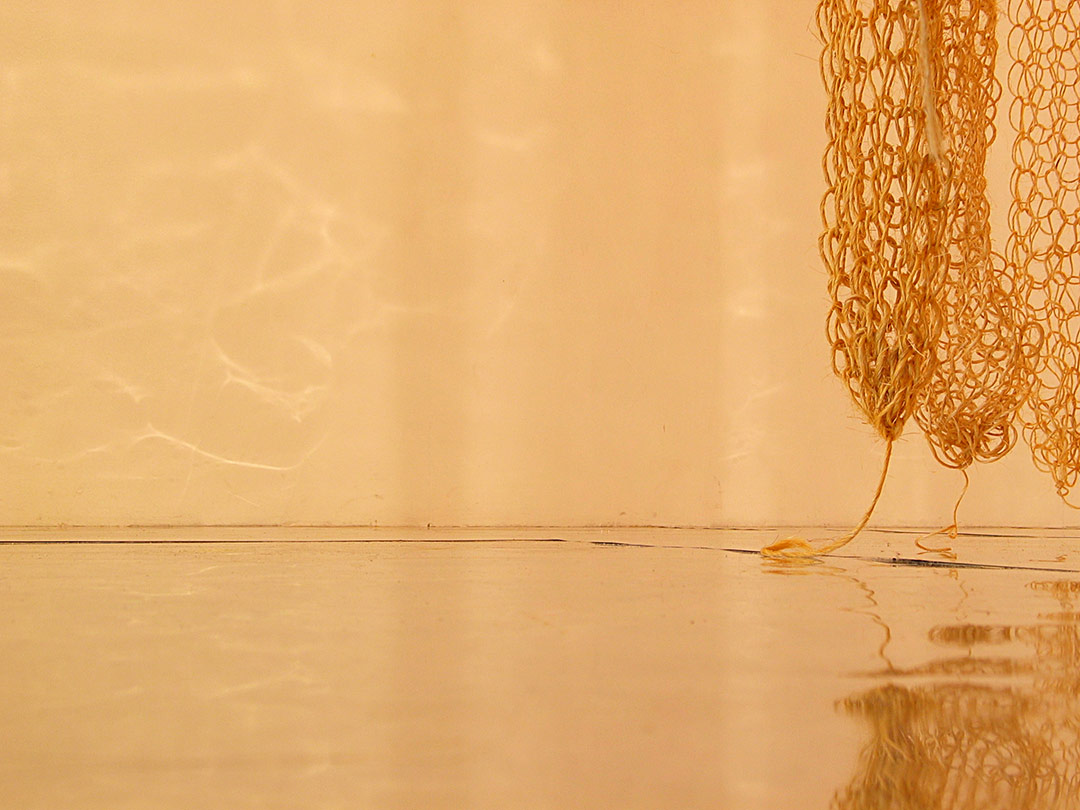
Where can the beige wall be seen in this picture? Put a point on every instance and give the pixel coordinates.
(505, 262)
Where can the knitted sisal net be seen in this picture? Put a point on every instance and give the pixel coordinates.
(969, 407)
(927, 320)
(1045, 217)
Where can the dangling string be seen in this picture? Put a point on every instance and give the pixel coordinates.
(796, 547)
(952, 530)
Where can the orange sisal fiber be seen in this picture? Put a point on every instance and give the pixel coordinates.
(927, 320)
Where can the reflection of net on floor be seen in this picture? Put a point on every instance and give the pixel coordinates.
(961, 746)
(958, 744)
(965, 746)
(927, 320)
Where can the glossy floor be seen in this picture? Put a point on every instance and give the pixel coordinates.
(617, 669)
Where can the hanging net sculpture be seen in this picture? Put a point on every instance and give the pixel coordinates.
(927, 320)
(969, 407)
(1044, 219)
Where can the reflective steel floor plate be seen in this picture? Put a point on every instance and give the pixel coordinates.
(536, 669)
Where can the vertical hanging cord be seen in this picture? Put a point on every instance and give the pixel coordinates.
(794, 547)
(933, 123)
(952, 530)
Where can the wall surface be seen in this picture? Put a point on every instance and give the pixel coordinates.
(503, 262)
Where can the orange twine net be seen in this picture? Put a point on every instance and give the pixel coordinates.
(885, 212)
(927, 320)
(1044, 219)
(968, 408)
